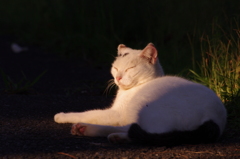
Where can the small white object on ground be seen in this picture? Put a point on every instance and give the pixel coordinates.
(17, 49)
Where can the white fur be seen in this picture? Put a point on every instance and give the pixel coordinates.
(156, 102)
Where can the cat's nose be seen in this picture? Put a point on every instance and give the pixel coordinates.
(118, 78)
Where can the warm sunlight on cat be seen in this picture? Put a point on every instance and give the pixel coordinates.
(150, 107)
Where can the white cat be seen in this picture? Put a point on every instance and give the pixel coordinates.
(150, 107)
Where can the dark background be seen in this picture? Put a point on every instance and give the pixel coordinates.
(92, 29)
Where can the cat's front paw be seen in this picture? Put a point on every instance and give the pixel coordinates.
(60, 118)
(78, 129)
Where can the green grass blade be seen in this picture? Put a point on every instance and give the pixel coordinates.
(5, 78)
(36, 79)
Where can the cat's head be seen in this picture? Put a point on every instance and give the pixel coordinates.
(134, 67)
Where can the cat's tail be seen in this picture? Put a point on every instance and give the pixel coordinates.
(206, 133)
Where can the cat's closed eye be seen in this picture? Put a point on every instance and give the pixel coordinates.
(129, 68)
(115, 68)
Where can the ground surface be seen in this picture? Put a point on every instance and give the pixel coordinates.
(27, 129)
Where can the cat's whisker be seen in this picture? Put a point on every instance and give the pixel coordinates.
(110, 85)
(108, 89)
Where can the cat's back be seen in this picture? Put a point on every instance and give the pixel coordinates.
(178, 85)
(179, 92)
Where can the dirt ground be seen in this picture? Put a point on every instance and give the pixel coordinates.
(27, 129)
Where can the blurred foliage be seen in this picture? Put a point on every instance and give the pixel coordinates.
(92, 29)
(21, 87)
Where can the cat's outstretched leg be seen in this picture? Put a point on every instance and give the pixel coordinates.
(98, 117)
(84, 129)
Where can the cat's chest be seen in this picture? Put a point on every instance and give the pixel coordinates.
(124, 99)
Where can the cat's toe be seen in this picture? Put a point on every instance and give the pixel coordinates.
(59, 118)
(78, 129)
(118, 138)
(114, 139)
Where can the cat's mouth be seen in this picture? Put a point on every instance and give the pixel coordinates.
(124, 86)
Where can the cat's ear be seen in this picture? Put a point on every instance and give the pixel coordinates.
(120, 46)
(150, 53)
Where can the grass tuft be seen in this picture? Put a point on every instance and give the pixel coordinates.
(220, 66)
(21, 87)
